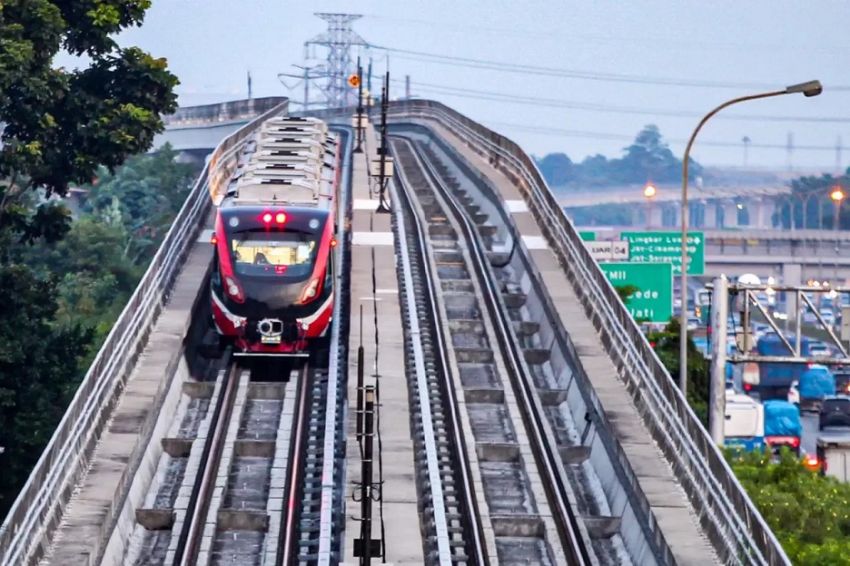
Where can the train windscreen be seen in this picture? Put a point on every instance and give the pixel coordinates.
(290, 254)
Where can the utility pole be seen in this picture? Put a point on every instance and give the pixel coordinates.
(789, 148)
(385, 95)
(250, 95)
(338, 39)
(407, 87)
(717, 387)
(358, 148)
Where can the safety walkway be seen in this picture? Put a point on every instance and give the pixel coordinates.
(375, 308)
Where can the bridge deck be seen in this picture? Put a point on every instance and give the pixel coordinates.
(668, 500)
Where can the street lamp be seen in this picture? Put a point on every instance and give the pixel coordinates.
(810, 88)
(649, 192)
(837, 195)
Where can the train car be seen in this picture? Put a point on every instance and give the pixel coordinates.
(272, 282)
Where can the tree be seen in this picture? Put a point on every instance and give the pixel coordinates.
(809, 513)
(39, 372)
(648, 158)
(666, 344)
(60, 125)
(557, 169)
(143, 196)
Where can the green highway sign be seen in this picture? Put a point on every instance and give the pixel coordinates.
(587, 236)
(666, 247)
(653, 300)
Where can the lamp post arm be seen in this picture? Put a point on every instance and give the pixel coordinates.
(683, 292)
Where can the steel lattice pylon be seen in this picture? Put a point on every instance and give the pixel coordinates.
(338, 39)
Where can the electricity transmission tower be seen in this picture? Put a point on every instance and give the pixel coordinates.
(338, 39)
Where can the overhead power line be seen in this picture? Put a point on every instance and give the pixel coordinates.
(546, 130)
(576, 73)
(593, 107)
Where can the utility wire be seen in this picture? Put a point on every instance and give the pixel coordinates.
(545, 130)
(576, 73)
(593, 107)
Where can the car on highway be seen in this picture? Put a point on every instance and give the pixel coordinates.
(814, 385)
(828, 316)
(842, 380)
(834, 411)
(693, 323)
(819, 350)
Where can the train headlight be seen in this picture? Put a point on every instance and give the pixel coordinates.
(310, 291)
(234, 290)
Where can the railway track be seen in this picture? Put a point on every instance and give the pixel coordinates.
(229, 465)
(525, 513)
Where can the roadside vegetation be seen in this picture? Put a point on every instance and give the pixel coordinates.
(809, 513)
(62, 281)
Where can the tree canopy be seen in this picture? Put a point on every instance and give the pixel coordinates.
(809, 513)
(648, 158)
(60, 125)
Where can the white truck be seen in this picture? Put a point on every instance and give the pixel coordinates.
(834, 455)
(744, 421)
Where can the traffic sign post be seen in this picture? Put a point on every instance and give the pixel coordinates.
(666, 247)
(608, 250)
(653, 299)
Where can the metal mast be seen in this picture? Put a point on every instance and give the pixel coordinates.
(338, 39)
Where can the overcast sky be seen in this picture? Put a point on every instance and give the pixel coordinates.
(623, 65)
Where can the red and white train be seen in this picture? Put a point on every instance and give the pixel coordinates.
(272, 283)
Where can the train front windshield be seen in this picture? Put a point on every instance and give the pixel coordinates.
(285, 253)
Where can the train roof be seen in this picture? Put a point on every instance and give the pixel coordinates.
(289, 161)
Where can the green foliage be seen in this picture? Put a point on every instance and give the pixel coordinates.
(142, 197)
(39, 371)
(809, 513)
(60, 299)
(625, 292)
(809, 205)
(699, 377)
(647, 159)
(61, 125)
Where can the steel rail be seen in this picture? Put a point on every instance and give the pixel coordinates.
(477, 545)
(697, 462)
(196, 512)
(546, 454)
(337, 369)
(289, 528)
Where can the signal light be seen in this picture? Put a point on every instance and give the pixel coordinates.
(213, 239)
(333, 242)
(280, 218)
(267, 217)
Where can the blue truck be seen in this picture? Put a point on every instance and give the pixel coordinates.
(775, 379)
(782, 425)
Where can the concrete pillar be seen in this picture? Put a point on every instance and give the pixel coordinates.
(730, 215)
(655, 215)
(761, 213)
(710, 215)
(792, 274)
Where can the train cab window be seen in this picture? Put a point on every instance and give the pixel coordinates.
(288, 254)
